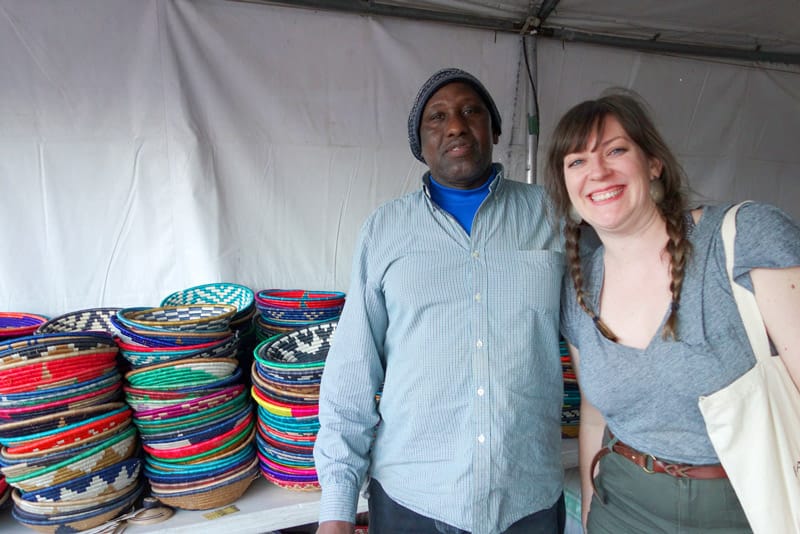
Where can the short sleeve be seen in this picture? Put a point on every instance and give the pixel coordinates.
(766, 237)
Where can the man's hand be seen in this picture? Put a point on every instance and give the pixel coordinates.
(336, 527)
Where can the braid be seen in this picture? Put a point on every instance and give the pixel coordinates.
(572, 234)
(678, 248)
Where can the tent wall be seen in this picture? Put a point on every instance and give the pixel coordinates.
(734, 128)
(153, 145)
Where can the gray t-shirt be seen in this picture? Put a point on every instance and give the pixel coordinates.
(649, 397)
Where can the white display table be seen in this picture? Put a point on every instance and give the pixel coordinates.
(264, 507)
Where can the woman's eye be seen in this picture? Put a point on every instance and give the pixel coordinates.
(617, 150)
(573, 163)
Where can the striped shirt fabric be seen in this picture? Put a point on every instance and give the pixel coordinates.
(460, 334)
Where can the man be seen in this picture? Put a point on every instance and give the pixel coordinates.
(453, 310)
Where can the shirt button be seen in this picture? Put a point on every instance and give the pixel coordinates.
(475, 254)
(477, 297)
(481, 438)
(480, 392)
(479, 344)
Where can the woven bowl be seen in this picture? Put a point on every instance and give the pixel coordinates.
(299, 298)
(220, 493)
(89, 320)
(198, 433)
(68, 434)
(16, 324)
(188, 317)
(181, 474)
(221, 293)
(119, 447)
(182, 373)
(55, 421)
(141, 356)
(107, 393)
(20, 464)
(189, 407)
(31, 347)
(54, 508)
(307, 347)
(46, 372)
(183, 449)
(114, 478)
(225, 455)
(80, 521)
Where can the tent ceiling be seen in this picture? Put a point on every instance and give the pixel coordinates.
(753, 30)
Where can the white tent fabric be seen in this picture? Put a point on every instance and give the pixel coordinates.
(154, 145)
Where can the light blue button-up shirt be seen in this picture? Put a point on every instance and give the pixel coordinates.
(462, 331)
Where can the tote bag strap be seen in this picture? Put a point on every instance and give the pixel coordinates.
(745, 300)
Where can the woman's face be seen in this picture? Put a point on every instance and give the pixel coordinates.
(608, 182)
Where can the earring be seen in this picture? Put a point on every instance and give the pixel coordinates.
(573, 214)
(657, 190)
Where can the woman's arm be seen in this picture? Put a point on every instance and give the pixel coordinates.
(777, 293)
(590, 440)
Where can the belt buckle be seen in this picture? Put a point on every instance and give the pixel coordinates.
(649, 460)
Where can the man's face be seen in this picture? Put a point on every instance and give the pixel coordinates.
(456, 136)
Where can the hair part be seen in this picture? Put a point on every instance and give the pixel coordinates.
(572, 134)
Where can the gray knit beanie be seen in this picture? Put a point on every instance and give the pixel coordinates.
(434, 83)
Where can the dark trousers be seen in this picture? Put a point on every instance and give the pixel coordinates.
(388, 517)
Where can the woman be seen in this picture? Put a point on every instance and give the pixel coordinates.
(651, 321)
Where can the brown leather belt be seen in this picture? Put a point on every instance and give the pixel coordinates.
(651, 464)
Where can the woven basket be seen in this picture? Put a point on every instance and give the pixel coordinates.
(190, 407)
(195, 419)
(104, 454)
(14, 324)
(31, 347)
(80, 521)
(140, 356)
(180, 474)
(90, 320)
(97, 396)
(68, 434)
(181, 450)
(218, 421)
(299, 298)
(221, 293)
(174, 440)
(223, 456)
(55, 421)
(114, 478)
(71, 506)
(18, 464)
(293, 485)
(221, 493)
(59, 392)
(184, 318)
(163, 376)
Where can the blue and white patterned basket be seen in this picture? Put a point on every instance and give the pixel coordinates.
(221, 293)
(93, 319)
(184, 318)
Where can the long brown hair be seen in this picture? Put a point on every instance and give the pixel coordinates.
(572, 135)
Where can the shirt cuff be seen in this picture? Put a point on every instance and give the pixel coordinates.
(338, 503)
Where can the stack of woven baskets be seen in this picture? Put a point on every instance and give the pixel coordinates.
(286, 377)
(68, 445)
(193, 414)
(281, 311)
(571, 408)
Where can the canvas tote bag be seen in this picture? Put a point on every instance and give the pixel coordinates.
(754, 423)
